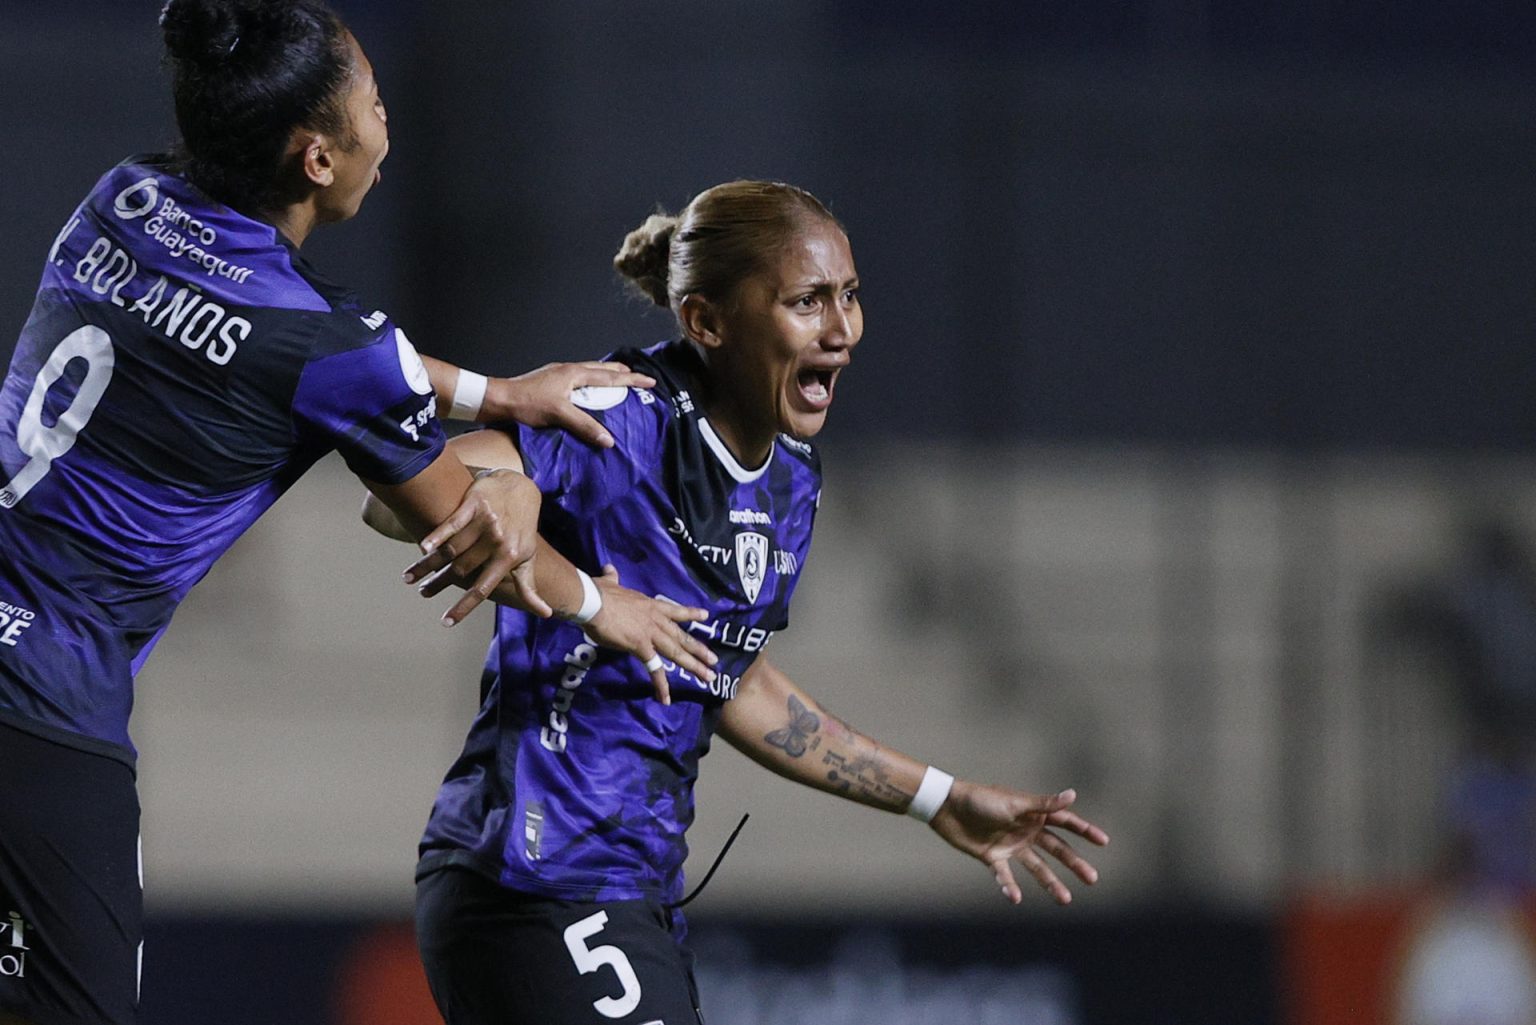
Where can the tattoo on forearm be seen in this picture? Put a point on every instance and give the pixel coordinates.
(796, 738)
(864, 778)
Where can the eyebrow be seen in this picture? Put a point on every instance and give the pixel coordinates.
(821, 285)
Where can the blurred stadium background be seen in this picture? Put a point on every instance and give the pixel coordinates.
(1187, 460)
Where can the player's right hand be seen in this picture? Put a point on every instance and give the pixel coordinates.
(492, 536)
(649, 628)
(542, 397)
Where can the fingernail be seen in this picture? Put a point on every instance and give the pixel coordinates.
(408, 577)
(448, 621)
(605, 440)
(427, 547)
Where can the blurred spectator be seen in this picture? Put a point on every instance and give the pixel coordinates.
(1470, 958)
(1480, 618)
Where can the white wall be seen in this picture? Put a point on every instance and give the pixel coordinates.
(1177, 637)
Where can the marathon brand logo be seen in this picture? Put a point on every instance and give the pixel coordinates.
(13, 621)
(578, 662)
(795, 443)
(751, 518)
(13, 947)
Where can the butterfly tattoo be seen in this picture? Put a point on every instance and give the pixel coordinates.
(802, 723)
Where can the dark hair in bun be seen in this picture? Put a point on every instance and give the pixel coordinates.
(723, 236)
(246, 74)
(642, 258)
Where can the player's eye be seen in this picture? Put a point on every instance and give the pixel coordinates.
(807, 301)
(851, 296)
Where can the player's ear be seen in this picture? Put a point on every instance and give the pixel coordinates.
(700, 319)
(313, 152)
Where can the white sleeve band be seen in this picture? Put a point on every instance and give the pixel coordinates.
(591, 601)
(930, 794)
(468, 395)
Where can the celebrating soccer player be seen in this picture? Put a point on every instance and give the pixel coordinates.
(551, 868)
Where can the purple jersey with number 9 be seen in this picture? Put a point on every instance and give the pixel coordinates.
(182, 366)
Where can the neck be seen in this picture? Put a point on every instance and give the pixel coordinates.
(751, 449)
(751, 443)
(295, 221)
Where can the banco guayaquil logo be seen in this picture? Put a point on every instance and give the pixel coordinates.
(13, 947)
(138, 199)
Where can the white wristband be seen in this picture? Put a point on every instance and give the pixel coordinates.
(591, 601)
(468, 395)
(930, 794)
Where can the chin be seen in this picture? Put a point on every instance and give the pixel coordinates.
(805, 426)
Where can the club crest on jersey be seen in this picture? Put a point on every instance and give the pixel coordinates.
(751, 562)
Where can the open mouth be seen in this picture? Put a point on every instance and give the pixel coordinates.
(815, 387)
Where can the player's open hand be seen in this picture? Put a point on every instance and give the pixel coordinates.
(490, 537)
(998, 826)
(542, 397)
(650, 629)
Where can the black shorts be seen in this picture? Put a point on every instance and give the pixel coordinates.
(71, 897)
(498, 957)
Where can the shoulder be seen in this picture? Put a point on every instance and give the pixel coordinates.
(800, 455)
(656, 407)
(171, 227)
(672, 364)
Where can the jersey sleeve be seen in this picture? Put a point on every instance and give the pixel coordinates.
(373, 404)
(582, 479)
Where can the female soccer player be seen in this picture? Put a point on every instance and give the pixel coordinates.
(183, 365)
(552, 861)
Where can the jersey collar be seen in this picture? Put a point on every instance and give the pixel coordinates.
(727, 460)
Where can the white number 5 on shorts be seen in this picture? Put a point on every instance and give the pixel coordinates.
(590, 959)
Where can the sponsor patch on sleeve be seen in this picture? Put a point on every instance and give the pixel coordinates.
(599, 397)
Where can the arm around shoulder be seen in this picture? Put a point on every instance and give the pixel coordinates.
(539, 398)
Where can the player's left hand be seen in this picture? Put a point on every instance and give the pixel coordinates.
(542, 397)
(492, 536)
(651, 629)
(997, 826)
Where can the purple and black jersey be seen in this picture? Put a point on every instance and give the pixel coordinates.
(575, 782)
(181, 368)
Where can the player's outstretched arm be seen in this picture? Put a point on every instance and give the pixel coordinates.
(613, 616)
(780, 726)
(487, 528)
(539, 398)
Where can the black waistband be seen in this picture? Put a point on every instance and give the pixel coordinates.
(64, 738)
